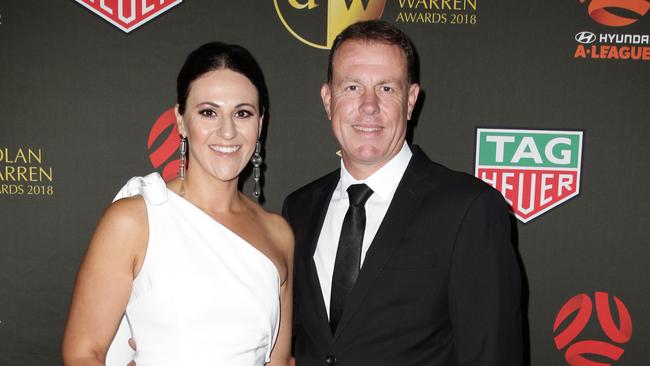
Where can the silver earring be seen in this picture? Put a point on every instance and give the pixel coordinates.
(183, 151)
(257, 161)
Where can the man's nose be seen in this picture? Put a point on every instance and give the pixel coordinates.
(369, 102)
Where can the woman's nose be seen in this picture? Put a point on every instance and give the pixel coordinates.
(227, 129)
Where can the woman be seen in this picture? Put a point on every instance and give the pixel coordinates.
(203, 273)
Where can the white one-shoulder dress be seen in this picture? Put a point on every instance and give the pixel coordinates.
(204, 296)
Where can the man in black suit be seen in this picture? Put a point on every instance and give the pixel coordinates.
(419, 268)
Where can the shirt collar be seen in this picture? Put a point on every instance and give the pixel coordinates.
(384, 181)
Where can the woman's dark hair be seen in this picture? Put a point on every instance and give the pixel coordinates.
(378, 31)
(216, 56)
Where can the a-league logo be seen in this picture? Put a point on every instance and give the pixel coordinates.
(165, 154)
(614, 13)
(128, 15)
(317, 22)
(535, 170)
(582, 306)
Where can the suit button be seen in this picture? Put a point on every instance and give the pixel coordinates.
(330, 360)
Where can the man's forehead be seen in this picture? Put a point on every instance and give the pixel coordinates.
(387, 58)
(362, 45)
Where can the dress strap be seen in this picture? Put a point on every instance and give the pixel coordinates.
(151, 187)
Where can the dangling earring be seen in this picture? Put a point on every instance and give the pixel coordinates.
(257, 161)
(181, 165)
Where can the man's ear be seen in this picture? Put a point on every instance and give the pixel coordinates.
(326, 96)
(180, 124)
(414, 90)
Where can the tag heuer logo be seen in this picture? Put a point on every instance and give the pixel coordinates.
(128, 14)
(535, 170)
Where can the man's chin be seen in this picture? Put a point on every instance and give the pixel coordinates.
(364, 161)
(365, 155)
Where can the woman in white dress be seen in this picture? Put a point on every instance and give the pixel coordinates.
(202, 273)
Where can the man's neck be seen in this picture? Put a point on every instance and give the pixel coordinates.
(361, 171)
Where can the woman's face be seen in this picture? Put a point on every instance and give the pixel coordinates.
(222, 122)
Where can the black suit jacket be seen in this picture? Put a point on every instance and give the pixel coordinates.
(440, 284)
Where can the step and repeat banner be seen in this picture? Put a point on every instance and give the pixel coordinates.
(546, 100)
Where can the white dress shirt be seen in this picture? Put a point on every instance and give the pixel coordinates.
(383, 183)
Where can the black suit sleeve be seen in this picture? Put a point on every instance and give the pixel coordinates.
(485, 287)
(295, 313)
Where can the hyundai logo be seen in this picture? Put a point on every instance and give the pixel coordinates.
(585, 37)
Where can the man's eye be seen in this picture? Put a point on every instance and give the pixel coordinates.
(386, 89)
(351, 88)
(208, 113)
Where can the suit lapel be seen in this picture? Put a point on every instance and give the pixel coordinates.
(405, 204)
(313, 306)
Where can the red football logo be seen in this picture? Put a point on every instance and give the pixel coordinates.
(168, 149)
(583, 306)
(601, 11)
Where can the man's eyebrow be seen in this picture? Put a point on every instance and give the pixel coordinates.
(388, 81)
(348, 79)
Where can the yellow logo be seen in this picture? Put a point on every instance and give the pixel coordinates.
(24, 172)
(339, 15)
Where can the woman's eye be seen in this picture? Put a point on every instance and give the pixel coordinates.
(243, 114)
(208, 113)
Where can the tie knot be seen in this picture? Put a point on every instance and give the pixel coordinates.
(359, 194)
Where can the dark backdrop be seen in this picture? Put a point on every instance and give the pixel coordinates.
(78, 98)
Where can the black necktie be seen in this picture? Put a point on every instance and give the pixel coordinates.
(348, 255)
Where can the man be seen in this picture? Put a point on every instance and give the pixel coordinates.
(419, 270)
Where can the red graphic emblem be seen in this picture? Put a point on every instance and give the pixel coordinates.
(583, 306)
(128, 14)
(160, 155)
(600, 11)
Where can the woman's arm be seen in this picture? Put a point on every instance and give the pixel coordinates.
(281, 355)
(104, 282)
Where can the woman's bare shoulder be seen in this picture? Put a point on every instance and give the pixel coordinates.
(127, 212)
(274, 224)
(124, 223)
(279, 230)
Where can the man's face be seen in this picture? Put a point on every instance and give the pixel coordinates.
(369, 102)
